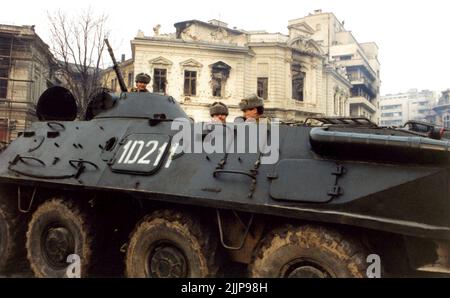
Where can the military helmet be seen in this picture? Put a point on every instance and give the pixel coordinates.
(250, 102)
(143, 78)
(218, 108)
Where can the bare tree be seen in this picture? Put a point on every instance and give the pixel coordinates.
(77, 41)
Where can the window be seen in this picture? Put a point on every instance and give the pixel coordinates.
(346, 57)
(114, 85)
(217, 87)
(447, 121)
(263, 88)
(3, 88)
(4, 130)
(398, 114)
(220, 72)
(190, 83)
(298, 82)
(391, 107)
(4, 73)
(130, 79)
(159, 80)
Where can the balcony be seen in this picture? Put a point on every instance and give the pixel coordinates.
(360, 100)
(359, 81)
(361, 63)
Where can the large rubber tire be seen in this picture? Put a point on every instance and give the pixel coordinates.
(171, 244)
(12, 235)
(58, 222)
(308, 251)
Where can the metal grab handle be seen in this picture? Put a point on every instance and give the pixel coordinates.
(52, 124)
(19, 199)
(80, 163)
(23, 158)
(221, 234)
(217, 172)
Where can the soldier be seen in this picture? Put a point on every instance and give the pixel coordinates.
(253, 108)
(218, 112)
(142, 81)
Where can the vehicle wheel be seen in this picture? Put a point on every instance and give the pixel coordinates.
(12, 236)
(171, 244)
(308, 251)
(57, 230)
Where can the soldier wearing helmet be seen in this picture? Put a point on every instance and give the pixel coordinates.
(142, 81)
(218, 112)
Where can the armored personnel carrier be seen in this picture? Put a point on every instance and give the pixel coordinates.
(115, 188)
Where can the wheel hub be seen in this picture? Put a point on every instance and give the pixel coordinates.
(58, 244)
(304, 269)
(167, 261)
(307, 272)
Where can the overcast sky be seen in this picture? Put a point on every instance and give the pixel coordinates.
(413, 36)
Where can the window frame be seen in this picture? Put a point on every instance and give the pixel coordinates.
(130, 79)
(4, 89)
(262, 92)
(160, 81)
(190, 83)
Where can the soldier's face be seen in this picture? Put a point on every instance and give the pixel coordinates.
(251, 114)
(220, 118)
(141, 86)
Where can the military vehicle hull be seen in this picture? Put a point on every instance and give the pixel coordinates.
(383, 189)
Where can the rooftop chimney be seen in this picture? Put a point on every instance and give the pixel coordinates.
(123, 57)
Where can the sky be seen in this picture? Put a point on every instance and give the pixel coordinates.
(412, 36)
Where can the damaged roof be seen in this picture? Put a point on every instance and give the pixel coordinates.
(180, 26)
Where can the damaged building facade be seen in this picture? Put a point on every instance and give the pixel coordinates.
(204, 62)
(358, 60)
(27, 68)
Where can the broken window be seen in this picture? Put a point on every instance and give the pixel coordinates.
(159, 80)
(220, 72)
(263, 87)
(298, 82)
(190, 83)
(217, 87)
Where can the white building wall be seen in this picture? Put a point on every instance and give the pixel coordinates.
(266, 55)
(412, 105)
